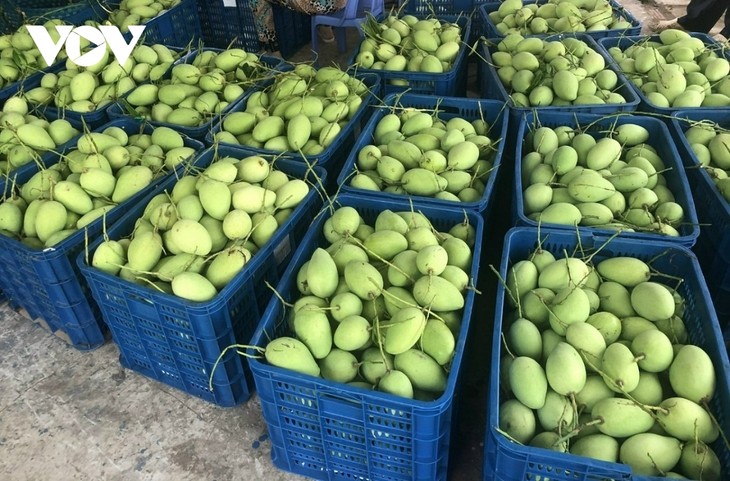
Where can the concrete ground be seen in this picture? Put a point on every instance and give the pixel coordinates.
(67, 415)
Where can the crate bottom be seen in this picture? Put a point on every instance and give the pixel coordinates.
(172, 377)
(58, 333)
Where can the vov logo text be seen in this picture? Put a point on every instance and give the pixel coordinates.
(70, 36)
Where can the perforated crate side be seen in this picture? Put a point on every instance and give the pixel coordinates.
(508, 461)
(47, 283)
(329, 430)
(14, 13)
(293, 29)
(441, 7)
(178, 27)
(715, 264)
(659, 138)
(223, 26)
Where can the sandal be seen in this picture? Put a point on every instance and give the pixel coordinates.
(325, 33)
(672, 23)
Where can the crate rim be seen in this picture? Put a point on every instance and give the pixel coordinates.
(427, 76)
(224, 294)
(116, 109)
(619, 118)
(624, 84)
(634, 39)
(401, 99)
(615, 6)
(327, 153)
(63, 246)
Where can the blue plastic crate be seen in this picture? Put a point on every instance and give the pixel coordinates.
(176, 341)
(659, 138)
(46, 158)
(293, 29)
(333, 157)
(47, 283)
(331, 431)
(625, 42)
(95, 118)
(492, 88)
(116, 110)
(495, 113)
(421, 8)
(491, 28)
(715, 264)
(72, 13)
(176, 27)
(223, 26)
(508, 461)
(450, 84)
(713, 211)
(17, 12)
(76, 14)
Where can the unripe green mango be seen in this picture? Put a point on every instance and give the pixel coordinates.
(565, 370)
(438, 294)
(615, 299)
(594, 390)
(72, 196)
(650, 454)
(597, 446)
(528, 382)
(312, 327)
(656, 348)
(699, 461)
(627, 271)
(517, 420)
(557, 413)
(423, 372)
(692, 374)
(535, 306)
(621, 417)
(569, 306)
(652, 301)
(620, 368)
(563, 273)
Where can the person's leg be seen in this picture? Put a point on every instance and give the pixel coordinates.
(725, 32)
(263, 16)
(309, 7)
(702, 15)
